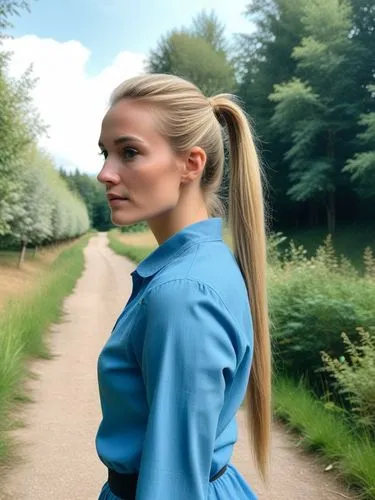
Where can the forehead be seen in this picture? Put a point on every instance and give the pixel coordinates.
(129, 117)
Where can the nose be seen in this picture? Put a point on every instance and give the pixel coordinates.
(108, 175)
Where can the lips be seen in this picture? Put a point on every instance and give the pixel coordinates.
(113, 196)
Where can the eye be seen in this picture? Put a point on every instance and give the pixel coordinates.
(104, 153)
(130, 153)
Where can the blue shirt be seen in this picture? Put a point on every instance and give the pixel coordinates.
(175, 369)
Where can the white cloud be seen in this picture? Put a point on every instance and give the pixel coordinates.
(70, 101)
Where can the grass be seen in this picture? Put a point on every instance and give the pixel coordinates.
(23, 325)
(134, 253)
(349, 240)
(327, 432)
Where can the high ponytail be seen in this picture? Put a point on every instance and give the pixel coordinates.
(247, 223)
(189, 119)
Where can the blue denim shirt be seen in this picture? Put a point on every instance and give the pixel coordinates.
(174, 371)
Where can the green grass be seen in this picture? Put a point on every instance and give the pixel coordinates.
(327, 432)
(134, 253)
(349, 240)
(23, 325)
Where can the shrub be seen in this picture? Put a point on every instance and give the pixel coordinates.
(354, 376)
(312, 301)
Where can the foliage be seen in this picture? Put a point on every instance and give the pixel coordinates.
(92, 194)
(313, 107)
(362, 165)
(197, 54)
(311, 302)
(352, 374)
(35, 205)
(304, 71)
(19, 127)
(9, 8)
(135, 228)
(207, 26)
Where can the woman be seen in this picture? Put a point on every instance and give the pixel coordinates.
(176, 367)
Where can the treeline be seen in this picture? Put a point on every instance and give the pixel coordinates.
(305, 75)
(92, 193)
(36, 205)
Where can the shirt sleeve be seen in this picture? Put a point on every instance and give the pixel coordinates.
(188, 358)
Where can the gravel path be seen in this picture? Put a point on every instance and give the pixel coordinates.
(59, 460)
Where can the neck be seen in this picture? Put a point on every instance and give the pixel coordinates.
(167, 224)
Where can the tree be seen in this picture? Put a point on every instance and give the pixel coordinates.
(20, 126)
(263, 59)
(197, 54)
(33, 224)
(9, 8)
(92, 194)
(313, 107)
(362, 165)
(44, 209)
(207, 26)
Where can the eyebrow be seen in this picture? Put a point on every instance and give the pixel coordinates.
(122, 139)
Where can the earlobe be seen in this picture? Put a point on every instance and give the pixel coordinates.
(194, 165)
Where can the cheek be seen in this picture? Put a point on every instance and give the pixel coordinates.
(160, 180)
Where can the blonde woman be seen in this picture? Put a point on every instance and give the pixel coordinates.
(193, 339)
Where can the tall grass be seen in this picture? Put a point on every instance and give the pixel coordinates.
(349, 240)
(23, 324)
(328, 432)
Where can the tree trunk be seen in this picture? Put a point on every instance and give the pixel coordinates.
(331, 212)
(331, 198)
(22, 254)
(313, 213)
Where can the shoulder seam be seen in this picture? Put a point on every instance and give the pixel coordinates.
(195, 281)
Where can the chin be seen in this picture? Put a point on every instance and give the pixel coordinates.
(123, 220)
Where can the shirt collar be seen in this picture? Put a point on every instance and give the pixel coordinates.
(203, 231)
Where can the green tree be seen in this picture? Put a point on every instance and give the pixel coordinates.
(8, 9)
(44, 209)
(207, 26)
(197, 54)
(264, 58)
(313, 107)
(362, 165)
(20, 126)
(92, 194)
(32, 209)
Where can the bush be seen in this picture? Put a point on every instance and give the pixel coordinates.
(135, 228)
(355, 375)
(312, 301)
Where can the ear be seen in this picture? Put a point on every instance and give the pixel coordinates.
(194, 164)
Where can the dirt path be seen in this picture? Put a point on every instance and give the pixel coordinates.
(59, 460)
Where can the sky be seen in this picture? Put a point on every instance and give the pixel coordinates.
(82, 49)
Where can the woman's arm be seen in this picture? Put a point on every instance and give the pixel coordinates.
(187, 358)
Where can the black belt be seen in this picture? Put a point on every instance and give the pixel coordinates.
(124, 486)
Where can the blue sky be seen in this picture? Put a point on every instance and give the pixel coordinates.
(107, 27)
(81, 49)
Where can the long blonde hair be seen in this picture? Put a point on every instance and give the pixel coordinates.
(187, 119)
